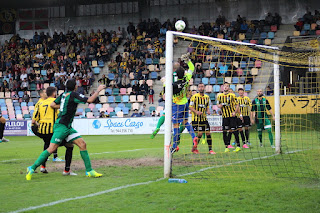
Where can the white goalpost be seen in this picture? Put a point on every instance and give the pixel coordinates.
(169, 90)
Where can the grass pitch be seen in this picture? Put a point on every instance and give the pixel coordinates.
(250, 181)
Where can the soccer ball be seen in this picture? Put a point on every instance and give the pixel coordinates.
(180, 25)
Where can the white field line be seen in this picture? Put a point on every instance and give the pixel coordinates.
(98, 153)
(138, 184)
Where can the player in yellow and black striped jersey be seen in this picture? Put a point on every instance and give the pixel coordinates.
(199, 106)
(46, 117)
(229, 106)
(244, 107)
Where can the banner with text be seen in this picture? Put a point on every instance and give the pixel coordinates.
(16, 128)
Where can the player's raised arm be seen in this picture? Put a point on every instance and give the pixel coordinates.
(93, 97)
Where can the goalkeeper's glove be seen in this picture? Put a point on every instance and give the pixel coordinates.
(185, 57)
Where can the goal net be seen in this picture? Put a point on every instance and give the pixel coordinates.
(288, 75)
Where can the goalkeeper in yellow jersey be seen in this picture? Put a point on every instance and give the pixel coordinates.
(199, 106)
(180, 106)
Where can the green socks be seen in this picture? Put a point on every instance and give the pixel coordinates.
(270, 136)
(181, 128)
(86, 160)
(43, 156)
(160, 122)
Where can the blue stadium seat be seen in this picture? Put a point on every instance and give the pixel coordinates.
(15, 104)
(220, 80)
(20, 94)
(242, 80)
(216, 88)
(153, 75)
(6, 117)
(306, 27)
(205, 81)
(96, 71)
(271, 35)
(98, 106)
(108, 91)
(148, 61)
(118, 99)
(212, 96)
(110, 99)
(125, 110)
(23, 104)
(111, 76)
(125, 99)
(115, 91)
(80, 110)
(2, 101)
(113, 105)
(233, 87)
(121, 105)
(4, 109)
(18, 111)
(152, 108)
(117, 109)
(43, 72)
(247, 87)
(112, 114)
(212, 65)
(17, 108)
(235, 80)
(243, 64)
(100, 63)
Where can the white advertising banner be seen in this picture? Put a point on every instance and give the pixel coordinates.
(125, 126)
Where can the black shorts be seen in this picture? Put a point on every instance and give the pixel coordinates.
(201, 126)
(230, 123)
(246, 121)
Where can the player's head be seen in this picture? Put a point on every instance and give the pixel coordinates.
(226, 87)
(42, 94)
(241, 91)
(201, 88)
(71, 84)
(180, 72)
(51, 92)
(259, 93)
(176, 65)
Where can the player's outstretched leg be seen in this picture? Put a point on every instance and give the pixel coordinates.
(43, 156)
(209, 141)
(85, 157)
(68, 157)
(193, 135)
(159, 124)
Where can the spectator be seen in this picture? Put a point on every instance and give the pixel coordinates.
(269, 91)
(135, 114)
(24, 85)
(199, 72)
(104, 80)
(15, 97)
(85, 84)
(161, 97)
(103, 115)
(269, 19)
(153, 113)
(151, 94)
(136, 88)
(80, 89)
(144, 89)
(142, 109)
(25, 97)
(125, 82)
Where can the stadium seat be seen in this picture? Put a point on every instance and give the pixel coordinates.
(118, 99)
(87, 110)
(96, 70)
(148, 61)
(111, 76)
(121, 105)
(243, 64)
(152, 108)
(162, 60)
(96, 114)
(216, 88)
(250, 64)
(31, 108)
(212, 96)
(117, 109)
(247, 87)
(257, 64)
(26, 116)
(162, 104)
(159, 109)
(111, 99)
(252, 41)
(120, 114)
(220, 81)
(106, 106)
(123, 91)
(233, 87)
(90, 115)
(140, 98)
(128, 105)
(270, 35)
(296, 33)
(151, 67)
(102, 109)
(207, 74)
(235, 80)
(125, 99)
(205, 66)
(34, 94)
(100, 63)
(133, 98)
(153, 75)
(254, 71)
(103, 99)
(239, 86)
(208, 88)
(213, 81)
(197, 81)
(267, 41)
(125, 110)
(306, 27)
(19, 117)
(20, 94)
(274, 28)
(150, 83)
(108, 91)
(91, 106)
(205, 81)
(112, 114)
(227, 79)
(135, 106)
(24, 107)
(242, 80)
(318, 32)
(115, 91)
(156, 61)
(147, 113)
(98, 106)
(110, 109)
(30, 104)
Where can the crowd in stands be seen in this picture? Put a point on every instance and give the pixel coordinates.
(30, 64)
(233, 30)
(308, 24)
